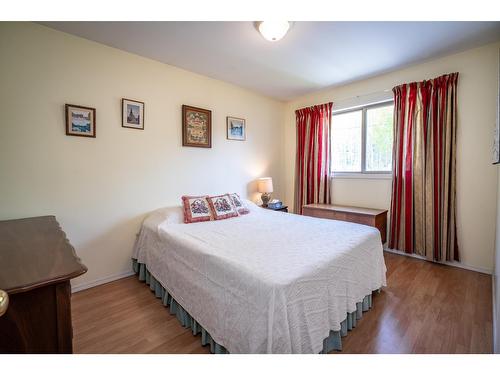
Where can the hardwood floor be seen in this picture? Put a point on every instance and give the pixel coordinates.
(426, 308)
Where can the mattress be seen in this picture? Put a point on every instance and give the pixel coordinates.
(266, 282)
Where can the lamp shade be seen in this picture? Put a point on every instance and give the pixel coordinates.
(265, 185)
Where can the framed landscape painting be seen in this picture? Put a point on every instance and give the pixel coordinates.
(236, 128)
(80, 121)
(196, 127)
(132, 114)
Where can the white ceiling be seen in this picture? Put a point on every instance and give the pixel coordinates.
(312, 56)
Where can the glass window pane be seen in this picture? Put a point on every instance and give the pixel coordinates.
(379, 138)
(346, 142)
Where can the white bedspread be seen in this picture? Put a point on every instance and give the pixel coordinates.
(266, 282)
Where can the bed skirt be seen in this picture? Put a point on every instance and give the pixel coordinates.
(332, 342)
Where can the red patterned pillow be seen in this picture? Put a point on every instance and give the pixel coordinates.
(196, 209)
(238, 203)
(222, 207)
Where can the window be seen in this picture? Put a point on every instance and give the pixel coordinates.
(362, 139)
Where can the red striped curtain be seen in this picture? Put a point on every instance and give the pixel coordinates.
(312, 169)
(423, 204)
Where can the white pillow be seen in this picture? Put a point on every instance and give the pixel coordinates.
(165, 215)
(250, 205)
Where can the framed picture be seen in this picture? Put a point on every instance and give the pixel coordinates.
(132, 114)
(236, 128)
(80, 121)
(196, 127)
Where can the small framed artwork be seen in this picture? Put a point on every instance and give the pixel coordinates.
(132, 114)
(80, 121)
(236, 128)
(196, 127)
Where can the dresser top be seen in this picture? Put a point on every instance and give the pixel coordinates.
(350, 209)
(35, 252)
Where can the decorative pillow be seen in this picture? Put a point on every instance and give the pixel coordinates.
(239, 204)
(196, 209)
(222, 207)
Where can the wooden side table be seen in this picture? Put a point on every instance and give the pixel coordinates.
(368, 216)
(281, 209)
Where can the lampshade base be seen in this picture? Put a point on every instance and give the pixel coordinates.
(265, 198)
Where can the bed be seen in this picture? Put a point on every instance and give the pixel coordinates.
(265, 282)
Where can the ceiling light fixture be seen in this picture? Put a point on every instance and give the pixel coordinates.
(273, 30)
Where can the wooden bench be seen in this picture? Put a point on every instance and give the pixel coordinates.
(368, 216)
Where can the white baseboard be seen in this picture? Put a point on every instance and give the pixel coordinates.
(102, 280)
(453, 264)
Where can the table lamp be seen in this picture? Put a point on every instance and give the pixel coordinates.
(265, 186)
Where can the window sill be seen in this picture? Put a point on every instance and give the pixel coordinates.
(363, 176)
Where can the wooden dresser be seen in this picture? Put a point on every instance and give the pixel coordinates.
(36, 264)
(367, 216)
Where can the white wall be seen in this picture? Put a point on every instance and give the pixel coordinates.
(100, 189)
(476, 176)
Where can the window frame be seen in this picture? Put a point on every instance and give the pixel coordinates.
(363, 173)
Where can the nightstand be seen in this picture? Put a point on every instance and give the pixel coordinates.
(282, 208)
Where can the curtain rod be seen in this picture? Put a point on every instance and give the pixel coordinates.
(363, 95)
(380, 91)
(390, 90)
(349, 98)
